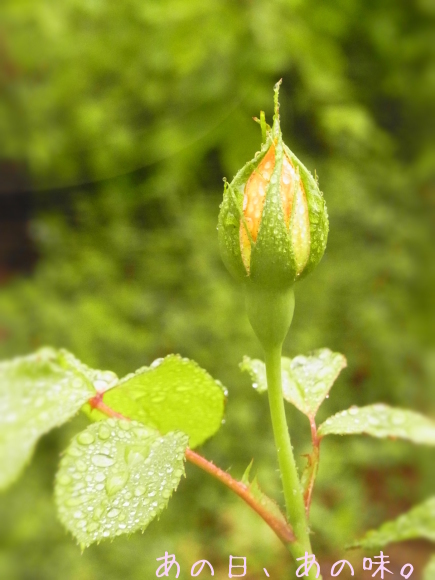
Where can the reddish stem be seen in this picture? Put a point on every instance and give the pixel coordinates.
(313, 464)
(281, 528)
(98, 403)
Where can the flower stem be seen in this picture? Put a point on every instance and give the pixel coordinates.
(293, 494)
(270, 312)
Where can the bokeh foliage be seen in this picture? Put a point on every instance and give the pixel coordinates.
(126, 116)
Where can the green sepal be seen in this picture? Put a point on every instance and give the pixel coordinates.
(231, 213)
(273, 262)
(318, 214)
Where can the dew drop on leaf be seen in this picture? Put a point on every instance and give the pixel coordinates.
(124, 484)
(101, 460)
(85, 438)
(116, 482)
(103, 433)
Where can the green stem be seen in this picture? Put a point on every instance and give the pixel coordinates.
(270, 312)
(293, 494)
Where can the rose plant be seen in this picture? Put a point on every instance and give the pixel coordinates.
(118, 474)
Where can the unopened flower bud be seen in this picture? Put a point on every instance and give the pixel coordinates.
(273, 223)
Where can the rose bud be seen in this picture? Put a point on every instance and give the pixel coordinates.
(273, 223)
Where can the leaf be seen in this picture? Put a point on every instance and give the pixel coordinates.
(306, 380)
(429, 571)
(381, 421)
(101, 380)
(37, 392)
(116, 477)
(269, 504)
(173, 394)
(257, 370)
(419, 522)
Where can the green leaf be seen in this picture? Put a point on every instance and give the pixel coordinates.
(116, 477)
(381, 421)
(429, 571)
(306, 380)
(37, 392)
(101, 380)
(257, 370)
(419, 522)
(255, 490)
(173, 394)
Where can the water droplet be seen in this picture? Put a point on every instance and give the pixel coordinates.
(85, 438)
(64, 479)
(74, 451)
(77, 383)
(113, 513)
(116, 482)
(133, 457)
(139, 491)
(156, 363)
(398, 420)
(101, 460)
(76, 501)
(80, 465)
(98, 512)
(103, 433)
(100, 385)
(141, 432)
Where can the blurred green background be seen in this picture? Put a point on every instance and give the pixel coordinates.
(118, 121)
